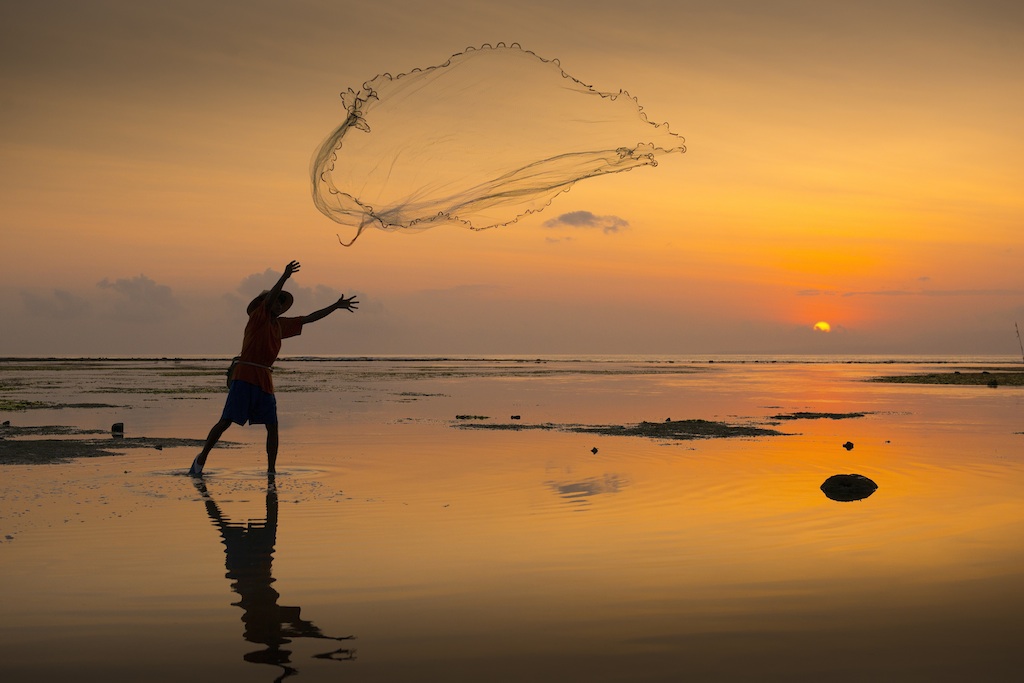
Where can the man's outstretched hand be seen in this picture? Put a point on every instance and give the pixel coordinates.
(349, 304)
(291, 269)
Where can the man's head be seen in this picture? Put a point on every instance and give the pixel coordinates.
(283, 303)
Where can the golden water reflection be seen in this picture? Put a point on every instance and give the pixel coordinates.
(469, 555)
(249, 556)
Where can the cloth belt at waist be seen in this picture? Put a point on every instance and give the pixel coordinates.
(237, 360)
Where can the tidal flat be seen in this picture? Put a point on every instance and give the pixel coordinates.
(612, 519)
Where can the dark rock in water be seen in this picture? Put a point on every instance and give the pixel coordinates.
(117, 430)
(848, 445)
(594, 450)
(848, 487)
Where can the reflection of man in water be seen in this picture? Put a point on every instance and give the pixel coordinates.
(249, 553)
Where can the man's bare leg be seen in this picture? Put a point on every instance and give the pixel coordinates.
(211, 440)
(271, 448)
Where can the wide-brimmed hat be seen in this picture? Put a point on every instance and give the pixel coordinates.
(285, 298)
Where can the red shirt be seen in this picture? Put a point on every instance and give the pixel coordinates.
(261, 343)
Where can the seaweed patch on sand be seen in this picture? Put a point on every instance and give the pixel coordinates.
(817, 416)
(15, 449)
(672, 430)
(218, 389)
(994, 378)
(8, 405)
(16, 404)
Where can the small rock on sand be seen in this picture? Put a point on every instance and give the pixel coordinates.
(848, 487)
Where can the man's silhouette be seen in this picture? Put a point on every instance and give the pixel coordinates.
(249, 554)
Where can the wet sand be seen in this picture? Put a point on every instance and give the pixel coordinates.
(592, 537)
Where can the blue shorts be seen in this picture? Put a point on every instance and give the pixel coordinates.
(247, 402)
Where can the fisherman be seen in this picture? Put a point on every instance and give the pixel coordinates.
(251, 387)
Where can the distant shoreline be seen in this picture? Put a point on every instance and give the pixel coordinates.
(859, 359)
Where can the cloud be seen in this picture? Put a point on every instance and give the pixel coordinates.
(938, 292)
(580, 492)
(141, 299)
(913, 292)
(252, 285)
(882, 292)
(60, 305)
(307, 299)
(461, 291)
(585, 219)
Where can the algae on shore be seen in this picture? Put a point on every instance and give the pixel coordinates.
(17, 404)
(48, 451)
(817, 416)
(1010, 378)
(676, 430)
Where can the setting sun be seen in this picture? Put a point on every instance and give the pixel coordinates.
(822, 326)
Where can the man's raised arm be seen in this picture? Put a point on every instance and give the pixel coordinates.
(349, 304)
(271, 298)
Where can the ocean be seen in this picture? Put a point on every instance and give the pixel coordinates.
(512, 518)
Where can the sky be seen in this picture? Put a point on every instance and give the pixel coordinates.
(858, 164)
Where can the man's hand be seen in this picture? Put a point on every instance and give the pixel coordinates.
(349, 304)
(291, 269)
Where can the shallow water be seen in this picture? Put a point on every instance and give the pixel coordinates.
(499, 555)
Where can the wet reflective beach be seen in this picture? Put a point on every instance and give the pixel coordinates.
(397, 544)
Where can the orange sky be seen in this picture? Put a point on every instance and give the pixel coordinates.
(859, 165)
